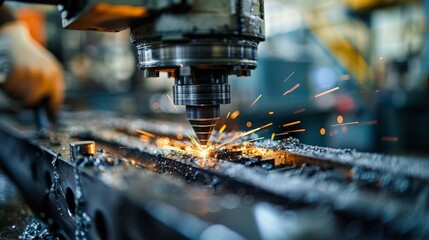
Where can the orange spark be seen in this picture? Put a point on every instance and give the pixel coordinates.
(290, 75)
(272, 136)
(227, 116)
(291, 123)
(249, 124)
(266, 125)
(326, 92)
(195, 142)
(169, 98)
(222, 128)
(340, 119)
(254, 102)
(298, 130)
(145, 133)
(292, 89)
(235, 114)
(299, 111)
(144, 138)
(179, 136)
(292, 131)
(322, 131)
(344, 124)
(244, 134)
(270, 113)
(390, 139)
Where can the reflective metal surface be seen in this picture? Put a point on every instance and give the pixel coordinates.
(212, 52)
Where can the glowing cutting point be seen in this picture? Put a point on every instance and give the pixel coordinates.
(204, 153)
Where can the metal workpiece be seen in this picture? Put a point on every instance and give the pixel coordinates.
(159, 188)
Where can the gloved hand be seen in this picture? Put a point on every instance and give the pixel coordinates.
(34, 73)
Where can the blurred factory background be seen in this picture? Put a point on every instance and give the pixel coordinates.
(336, 73)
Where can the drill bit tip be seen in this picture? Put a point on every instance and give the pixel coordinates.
(203, 128)
(203, 119)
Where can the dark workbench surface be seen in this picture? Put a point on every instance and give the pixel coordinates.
(17, 221)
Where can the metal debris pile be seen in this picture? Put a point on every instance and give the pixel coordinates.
(285, 183)
(383, 190)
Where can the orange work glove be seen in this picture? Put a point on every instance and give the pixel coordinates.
(34, 73)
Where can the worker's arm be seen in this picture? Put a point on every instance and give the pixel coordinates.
(35, 74)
